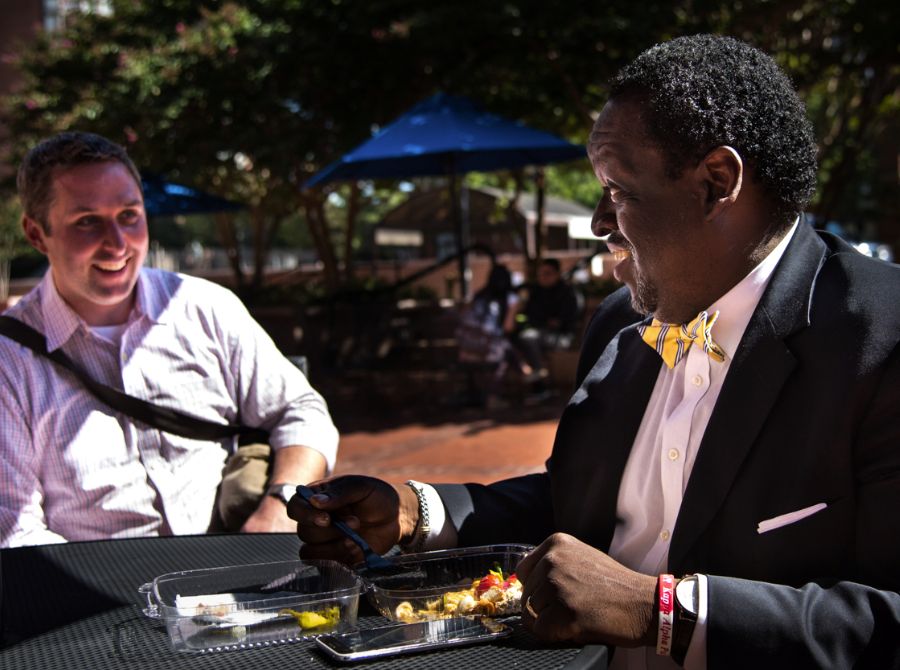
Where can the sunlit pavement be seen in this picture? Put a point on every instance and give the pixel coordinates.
(480, 450)
(411, 426)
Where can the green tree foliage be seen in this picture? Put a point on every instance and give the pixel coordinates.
(12, 242)
(249, 98)
(843, 57)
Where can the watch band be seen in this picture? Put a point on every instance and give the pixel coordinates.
(686, 611)
(423, 526)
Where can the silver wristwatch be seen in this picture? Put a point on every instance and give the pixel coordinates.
(284, 492)
(423, 527)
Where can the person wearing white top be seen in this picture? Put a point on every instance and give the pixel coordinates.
(72, 468)
(723, 484)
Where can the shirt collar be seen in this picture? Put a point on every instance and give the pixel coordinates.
(61, 321)
(150, 303)
(737, 306)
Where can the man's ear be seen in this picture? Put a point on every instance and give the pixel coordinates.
(34, 233)
(722, 170)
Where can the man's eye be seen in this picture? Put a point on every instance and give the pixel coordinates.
(87, 221)
(129, 216)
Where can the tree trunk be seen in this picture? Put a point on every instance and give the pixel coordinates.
(4, 281)
(352, 214)
(264, 228)
(853, 137)
(313, 206)
(228, 235)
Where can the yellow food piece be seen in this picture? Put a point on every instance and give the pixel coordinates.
(404, 611)
(317, 619)
(311, 620)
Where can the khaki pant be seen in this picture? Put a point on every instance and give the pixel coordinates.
(244, 482)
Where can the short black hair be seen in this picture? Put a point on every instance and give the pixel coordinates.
(552, 263)
(704, 91)
(65, 150)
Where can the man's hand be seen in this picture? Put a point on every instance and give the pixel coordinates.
(582, 595)
(270, 517)
(295, 463)
(381, 513)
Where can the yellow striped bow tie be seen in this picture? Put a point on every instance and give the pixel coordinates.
(672, 341)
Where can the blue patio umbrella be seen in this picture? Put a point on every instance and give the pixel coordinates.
(166, 198)
(448, 135)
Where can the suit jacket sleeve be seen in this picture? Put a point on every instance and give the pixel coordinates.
(514, 510)
(847, 625)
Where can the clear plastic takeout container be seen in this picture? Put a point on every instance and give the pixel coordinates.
(244, 606)
(431, 585)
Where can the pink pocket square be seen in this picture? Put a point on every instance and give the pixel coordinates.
(789, 518)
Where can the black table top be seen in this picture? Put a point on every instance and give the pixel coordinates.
(77, 606)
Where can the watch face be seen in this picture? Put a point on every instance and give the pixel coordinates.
(686, 594)
(284, 492)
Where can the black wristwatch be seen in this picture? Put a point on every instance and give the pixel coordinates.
(284, 492)
(687, 607)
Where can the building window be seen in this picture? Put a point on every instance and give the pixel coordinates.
(56, 11)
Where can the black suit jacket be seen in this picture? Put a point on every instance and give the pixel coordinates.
(809, 413)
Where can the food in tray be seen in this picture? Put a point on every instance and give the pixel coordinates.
(247, 606)
(328, 617)
(224, 618)
(213, 604)
(241, 627)
(491, 595)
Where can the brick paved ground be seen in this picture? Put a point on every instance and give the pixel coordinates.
(400, 427)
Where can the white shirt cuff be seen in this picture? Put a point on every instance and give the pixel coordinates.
(442, 534)
(695, 659)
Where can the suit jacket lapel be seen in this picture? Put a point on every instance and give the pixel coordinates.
(761, 365)
(595, 436)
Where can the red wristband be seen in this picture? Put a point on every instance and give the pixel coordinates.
(666, 614)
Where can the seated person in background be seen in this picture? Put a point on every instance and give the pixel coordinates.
(71, 468)
(547, 320)
(482, 336)
(735, 434)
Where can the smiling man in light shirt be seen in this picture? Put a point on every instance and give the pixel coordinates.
(72, 468)
(724, 485)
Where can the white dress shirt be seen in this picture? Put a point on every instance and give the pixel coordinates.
(72, 468)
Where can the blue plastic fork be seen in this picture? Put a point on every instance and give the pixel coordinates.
(373, 560)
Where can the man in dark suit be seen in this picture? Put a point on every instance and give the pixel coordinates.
(748, 459)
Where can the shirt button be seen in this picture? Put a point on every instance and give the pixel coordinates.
(673, 454)
(698, 380)
(664, 536)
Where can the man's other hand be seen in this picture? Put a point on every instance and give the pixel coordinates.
(580, 594)
(270, 517)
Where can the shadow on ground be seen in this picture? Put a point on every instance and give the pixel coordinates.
(372, 400)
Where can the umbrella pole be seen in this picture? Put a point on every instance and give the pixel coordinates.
(462, 237)
(539, 216)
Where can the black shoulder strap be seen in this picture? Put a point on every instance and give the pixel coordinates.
(163, 418)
